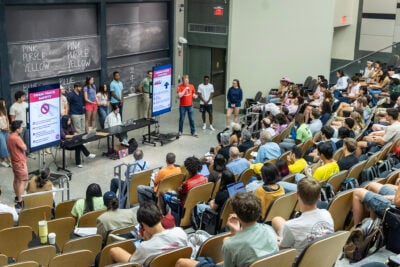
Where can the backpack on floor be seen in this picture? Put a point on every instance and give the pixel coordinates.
(365, 239)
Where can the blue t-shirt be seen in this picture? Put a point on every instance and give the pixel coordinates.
(91, 91)
(116, 87)
(75, 102)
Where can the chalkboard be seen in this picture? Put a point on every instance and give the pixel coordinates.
(51, 58)
(132, 74)
(66, 81)
(133, 38)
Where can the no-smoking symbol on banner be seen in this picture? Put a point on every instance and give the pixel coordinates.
(45, 108)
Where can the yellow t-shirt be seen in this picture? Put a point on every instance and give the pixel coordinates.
(324, 172)
(298, 166)
(266, 197)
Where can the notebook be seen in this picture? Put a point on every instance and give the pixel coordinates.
(235, 188)
(204, 170)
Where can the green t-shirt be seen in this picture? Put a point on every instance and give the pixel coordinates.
(303, 133)
(79, 207)
(247, 245)
(146, 84)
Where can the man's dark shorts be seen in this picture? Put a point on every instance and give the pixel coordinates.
(206, 108)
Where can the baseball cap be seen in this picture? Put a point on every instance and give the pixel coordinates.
(108, 196)
(286, 79)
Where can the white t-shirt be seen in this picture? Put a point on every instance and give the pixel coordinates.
(19, 111)
(205, 91)
(166, 240)
(354, 90)
(299, 232)
(112, 119)
(7, 209)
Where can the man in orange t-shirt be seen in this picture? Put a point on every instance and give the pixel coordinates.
(186, 93)
(147, 193)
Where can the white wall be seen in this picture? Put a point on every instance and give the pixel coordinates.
(269, 39)
(344, 37)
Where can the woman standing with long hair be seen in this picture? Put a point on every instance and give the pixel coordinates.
(89, 95)
(235, 97)
(4, 129)
(103, 103)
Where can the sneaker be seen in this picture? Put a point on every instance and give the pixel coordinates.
(18, 207)
(180, 133)
(79, 166)
(5, 164)
(91, 156)
(212, 128)
(204, 126)
(194, 134)
(15, 199)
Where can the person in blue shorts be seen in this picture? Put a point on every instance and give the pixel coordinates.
(234, 97)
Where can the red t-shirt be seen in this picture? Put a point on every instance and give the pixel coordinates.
(187, 99)
(16, 148)
(184, 189)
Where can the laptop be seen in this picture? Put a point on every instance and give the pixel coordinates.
(236, 188)
(90, 134)
(204, 170)
(128, 122)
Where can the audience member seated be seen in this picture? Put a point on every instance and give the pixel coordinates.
(313, 222)
(353, 92)
(246, 141)
(67, 132)
(137, 166)
(325, 136)
(40, 183)
(218, 167)
(322, 173)
(268, 149)
(114, 217)
(7, 209)
(316, 124)
(280, 123)
(92, 202)
(225, 146)
(249, 241)
(222, 195)
(156, 239)
(283, 167)
(375, 140)
(266, 126)
(255, 181)
(378, 198)
(341, 83)
(282, 90)
(343, 133)
(295, 161)
(326, 110)
(237, 164)
(149, 193)
(236, 134)
(349, 159)
(193, 166)
(347, 123)
(270, 189)
(302, 134)
(114, 119)
(369, 70)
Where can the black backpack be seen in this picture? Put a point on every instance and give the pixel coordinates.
(133, 145)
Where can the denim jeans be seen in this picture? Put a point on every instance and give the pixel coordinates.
(182, 113)
(338, 95)
(374, 92)
(102, 111)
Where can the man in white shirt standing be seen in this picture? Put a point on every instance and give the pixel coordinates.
(206, 92)
(18, 113)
